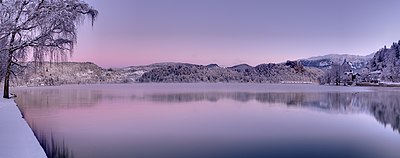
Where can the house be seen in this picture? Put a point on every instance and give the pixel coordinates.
(375, 76)
(350, 77)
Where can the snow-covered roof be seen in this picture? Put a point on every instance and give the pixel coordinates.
(376, 72)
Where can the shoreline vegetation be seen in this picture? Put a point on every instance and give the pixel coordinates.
(380, 84)
(89, 73)
(376, 69)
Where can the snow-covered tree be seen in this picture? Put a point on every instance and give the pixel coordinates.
(2, 59)
(43, 29)
(333, 75)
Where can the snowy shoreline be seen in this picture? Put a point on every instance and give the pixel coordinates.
(16, 137)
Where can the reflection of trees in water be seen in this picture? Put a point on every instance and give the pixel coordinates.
(387, 111)
(320, 100)
(384, 106)
(52, 147)
(56, 98)
(216, 96)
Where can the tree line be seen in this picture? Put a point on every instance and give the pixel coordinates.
(384, 66)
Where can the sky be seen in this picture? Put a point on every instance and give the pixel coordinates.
(230, 32)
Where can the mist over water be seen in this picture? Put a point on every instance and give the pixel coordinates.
(217, 120)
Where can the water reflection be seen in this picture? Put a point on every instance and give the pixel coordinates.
(132, 121)
(53, 148)
(57, 98)
(383, 105)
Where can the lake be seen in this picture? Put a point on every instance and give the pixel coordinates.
(215, 120)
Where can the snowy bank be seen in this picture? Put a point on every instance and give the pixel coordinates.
(16, 137)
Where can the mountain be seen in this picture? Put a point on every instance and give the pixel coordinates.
(212, 66)
(70, 73)
(242, 68)
(339, 58)
(326, 61)
(383, 65)
(263, 73)
(48, 74)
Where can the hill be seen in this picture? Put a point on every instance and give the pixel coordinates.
(326, 61)
(89, 73)
(263, 73)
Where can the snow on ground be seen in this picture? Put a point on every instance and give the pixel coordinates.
(16, 137)
(391, 83)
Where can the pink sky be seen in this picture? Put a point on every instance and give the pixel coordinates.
(225, 32)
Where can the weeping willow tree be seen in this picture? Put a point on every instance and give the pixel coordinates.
(41, 29)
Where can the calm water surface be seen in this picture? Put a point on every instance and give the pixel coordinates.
(216, 120)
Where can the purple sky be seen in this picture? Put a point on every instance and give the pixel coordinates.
(229, 32)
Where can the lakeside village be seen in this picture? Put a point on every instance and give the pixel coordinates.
(346, 75)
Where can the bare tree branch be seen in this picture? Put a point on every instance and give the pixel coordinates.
(44, 28)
